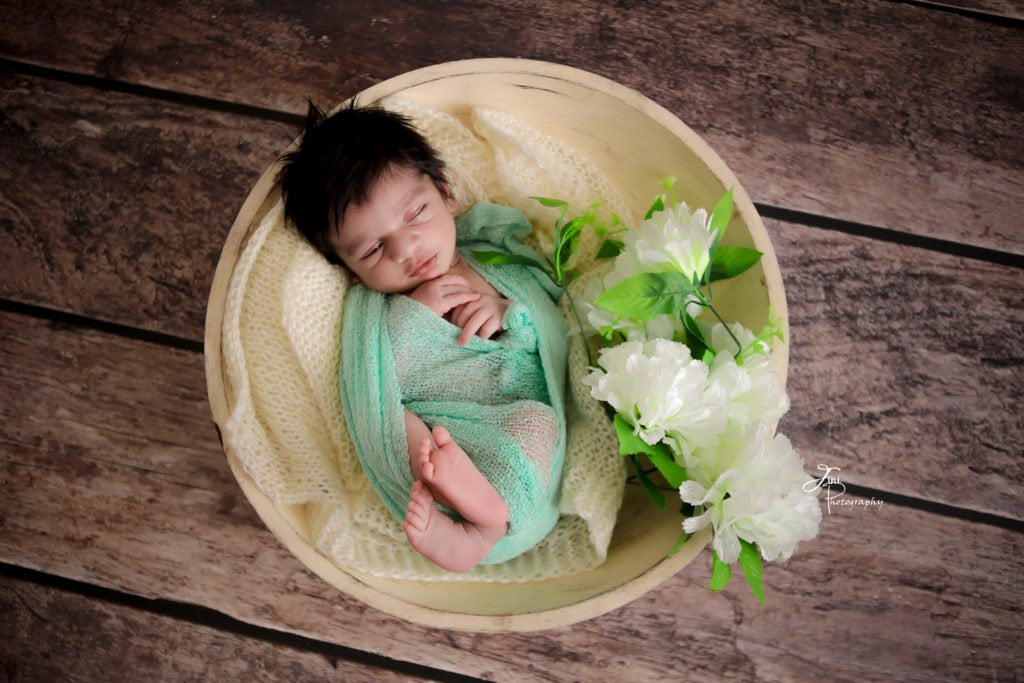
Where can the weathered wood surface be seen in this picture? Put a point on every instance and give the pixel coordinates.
(906, 367)
(117, 206)
(906, 363)
(50, 634)
(112, 476)
(1009, 9)
(927, 340)
(888, 114)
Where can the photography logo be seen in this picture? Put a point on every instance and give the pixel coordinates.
(834, 490)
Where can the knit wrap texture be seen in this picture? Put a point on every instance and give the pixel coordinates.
(501, 399)
(281, 335)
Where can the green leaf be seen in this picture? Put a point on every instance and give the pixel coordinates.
(563, 255)
(658, 205)
(650, 488)
(750, 562)
(629, 443)
(659, 454)
(572, 229)
(694, 339)
(731, 261)
(647, 295)
(720, 573)
(669, 183)
(496, 258)
(610, 248)
(679, 544)
(669, 468)
(553, 203)
(721, 215)
(568, 239)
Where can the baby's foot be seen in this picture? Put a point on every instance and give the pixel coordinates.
(458, 482)
(451, 545)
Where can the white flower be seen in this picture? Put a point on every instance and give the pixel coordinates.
(754, 389)
(720, 340)
(670, 240)
(759, 499)
(663, 392)
(705, 465)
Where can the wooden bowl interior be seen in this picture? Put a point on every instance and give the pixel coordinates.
(637, 144)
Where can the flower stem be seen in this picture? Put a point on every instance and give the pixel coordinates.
(739, 347)
(575, 313)
(633, 479)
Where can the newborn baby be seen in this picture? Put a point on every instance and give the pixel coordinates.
(452, 371)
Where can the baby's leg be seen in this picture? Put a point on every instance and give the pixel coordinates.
(449, 472)
(455, 546)
(533, 426)
(453, 479)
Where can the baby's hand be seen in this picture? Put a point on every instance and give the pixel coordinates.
(482, 317)
(444, 293)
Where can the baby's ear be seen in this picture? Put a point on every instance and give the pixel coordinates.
(449, 198)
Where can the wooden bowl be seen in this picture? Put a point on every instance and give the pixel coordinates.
(637, 143)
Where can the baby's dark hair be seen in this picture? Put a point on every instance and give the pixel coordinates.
(339, 161)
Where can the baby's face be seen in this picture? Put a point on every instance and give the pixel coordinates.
(402, 236)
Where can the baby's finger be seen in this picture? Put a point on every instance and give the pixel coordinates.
(466, 312)
(452, 314)
(478, 319)
(453, 299)
(452, 280)
(490, 327)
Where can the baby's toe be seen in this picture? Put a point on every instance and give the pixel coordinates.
(441, 436)
(416, 515)
(427, 468)
(421, 494)
(411, 530)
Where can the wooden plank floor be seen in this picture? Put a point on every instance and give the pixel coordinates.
(881, 141)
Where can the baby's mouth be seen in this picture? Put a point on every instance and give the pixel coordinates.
(424, 266)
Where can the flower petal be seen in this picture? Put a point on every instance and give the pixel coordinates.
(693, 493)
(694, 524)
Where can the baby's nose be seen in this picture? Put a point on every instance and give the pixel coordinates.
(406, 248)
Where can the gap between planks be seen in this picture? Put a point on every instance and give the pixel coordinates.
(809, 219)
(149, 92)
(204, 616)
(126, 331)
(993, 11)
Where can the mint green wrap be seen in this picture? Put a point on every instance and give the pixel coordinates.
(502, 399)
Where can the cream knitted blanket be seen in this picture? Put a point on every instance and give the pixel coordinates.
(281, 337)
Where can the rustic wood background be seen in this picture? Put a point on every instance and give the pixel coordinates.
(881, 141)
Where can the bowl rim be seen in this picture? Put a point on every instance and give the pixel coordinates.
(275, 517)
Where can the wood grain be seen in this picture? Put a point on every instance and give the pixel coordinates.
(913, 128)
(1009, 9)
(53, 634)
(116, 206)
(926, 340)
(112, 477)
(905, 367)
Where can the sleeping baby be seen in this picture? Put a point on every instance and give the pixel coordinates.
(452, 372)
